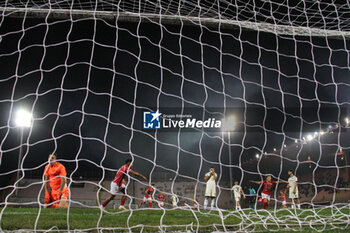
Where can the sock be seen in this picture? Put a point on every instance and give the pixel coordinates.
(298, 205)
(264, 205)
(150, 205)
(205, 203)
(212, 203)
(122, 202)
(104, 203)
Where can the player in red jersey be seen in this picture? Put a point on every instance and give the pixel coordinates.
(266, 192)
(55, 175)
(284, 199)
(148, 196)
(118, 184)
(161, 199)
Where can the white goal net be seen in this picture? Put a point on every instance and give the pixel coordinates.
(253, 89)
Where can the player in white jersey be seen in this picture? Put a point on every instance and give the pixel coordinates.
(237, 192)
(210, 190)
(293, 189)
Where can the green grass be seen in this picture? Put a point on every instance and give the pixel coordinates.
(174, 220)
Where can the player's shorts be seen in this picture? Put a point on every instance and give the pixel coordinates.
(284, 203)
(174, 204)
(147, 198)
(293, 195)
(237, 199)
(265, 196)
(115, 188)
(161, 204)
(210, 190)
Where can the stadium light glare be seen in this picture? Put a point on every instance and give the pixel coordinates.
(296, 141)
(309, 137)
(229, 123)
(23, 118)
(257, 156)
(322, 132)
(347, 120)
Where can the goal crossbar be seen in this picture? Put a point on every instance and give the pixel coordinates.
(172, 20)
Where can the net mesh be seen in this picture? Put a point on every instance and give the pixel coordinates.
(87, 72)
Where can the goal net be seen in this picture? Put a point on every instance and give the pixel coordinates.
(252, 89)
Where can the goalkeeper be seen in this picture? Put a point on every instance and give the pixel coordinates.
(55, 174)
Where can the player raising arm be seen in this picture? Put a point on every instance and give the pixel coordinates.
(118, 184)
(55, 174)
(267, 186)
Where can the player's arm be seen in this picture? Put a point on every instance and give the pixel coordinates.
(242, 193)
(63, 182)
(137, 174)
(295, 187)
(280, 181)
(47, 199)
(255, 182)
(207, 177)
(46, 178)
(215, 176)
(63, 175)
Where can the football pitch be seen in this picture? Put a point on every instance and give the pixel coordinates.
(180, 220)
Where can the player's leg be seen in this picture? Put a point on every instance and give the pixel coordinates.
(113, 191)
(48, 200)
(212, 202)
(143, 201)
(298, 203)
(110, 198)
(122, 202)
(150, 202)
(265, 198)
(123, 199)
(205, 202)
(64, 198)
(293, 203)
(213, 195)
(55, 198)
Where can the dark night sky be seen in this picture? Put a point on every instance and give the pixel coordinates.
(83, 92)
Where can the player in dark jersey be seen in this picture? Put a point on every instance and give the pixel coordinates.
(118, 184)
(267, 187)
